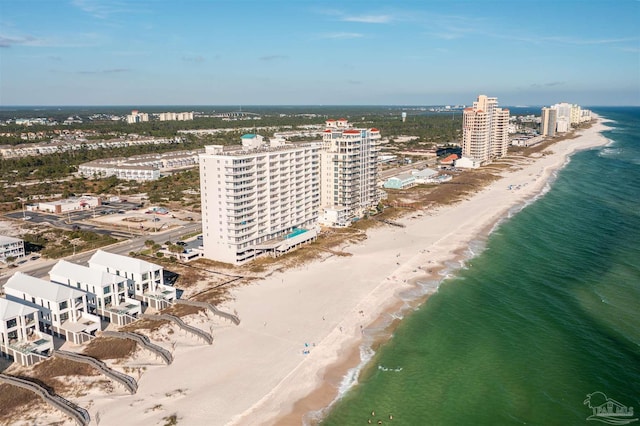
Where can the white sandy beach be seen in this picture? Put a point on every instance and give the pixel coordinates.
(254, 373)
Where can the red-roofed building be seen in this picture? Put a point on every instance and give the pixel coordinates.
(449, 159)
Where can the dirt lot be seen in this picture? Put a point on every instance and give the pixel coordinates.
(146, 220)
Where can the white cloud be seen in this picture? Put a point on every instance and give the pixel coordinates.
(271, 58)
(103, 9)
(29, 40)
(342, 35)
(369, 19)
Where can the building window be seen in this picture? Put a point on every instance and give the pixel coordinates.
(63, 305)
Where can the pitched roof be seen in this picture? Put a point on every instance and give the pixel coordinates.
(424, 173)
(450, 157)
(83, 274)
(4, 239)
(41, 288)
(122, 263)
(10, 309)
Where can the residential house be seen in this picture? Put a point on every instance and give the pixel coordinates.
(62, 310)
(21, 337)
(107, 294)
(11, 247)
(145, 279)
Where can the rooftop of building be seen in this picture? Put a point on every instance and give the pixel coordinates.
(84, 274)
(44, 289)
(5, 239)
(10, 309)
(122, 263)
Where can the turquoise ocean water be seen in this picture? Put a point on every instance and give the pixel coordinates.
(547, 313)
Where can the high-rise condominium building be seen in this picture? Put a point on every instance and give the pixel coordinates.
(175, 116)
(259, 198)
(137, 117)
(548, 122)
(349, 170)
(485, 130)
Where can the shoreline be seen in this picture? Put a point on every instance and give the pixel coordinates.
(258, 373)
(312, 408)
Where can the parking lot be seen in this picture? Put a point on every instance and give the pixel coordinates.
(127, 217)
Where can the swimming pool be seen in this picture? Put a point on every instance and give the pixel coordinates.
(295, 233)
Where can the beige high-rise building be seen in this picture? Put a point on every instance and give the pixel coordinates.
(485, 133)
(260, 198)
(548, 122)
(349, 172)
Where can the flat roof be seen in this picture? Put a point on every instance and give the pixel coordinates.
(4, 239)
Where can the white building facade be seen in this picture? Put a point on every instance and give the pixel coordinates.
(175, 116)
(137, 117)
(485, 133)
(349, 171)
(107, 294)
(259, 199)
(11, 247)
(69, 204)
(62, 310)
(21, 337)
(145, 280)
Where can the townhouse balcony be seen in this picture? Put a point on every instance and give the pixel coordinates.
(37, 342)
(130, 307)
(86, 323)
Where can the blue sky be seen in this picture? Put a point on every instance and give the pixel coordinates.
(298, 52)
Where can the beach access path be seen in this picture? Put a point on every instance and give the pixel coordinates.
(299, 324)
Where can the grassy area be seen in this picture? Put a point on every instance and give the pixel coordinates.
(56, 243)
(144, 324)
(17, 402)
(110, 348)
(51, 368)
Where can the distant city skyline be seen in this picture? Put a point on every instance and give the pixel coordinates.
(94, 52)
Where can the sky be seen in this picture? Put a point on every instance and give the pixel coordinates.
(304, 52)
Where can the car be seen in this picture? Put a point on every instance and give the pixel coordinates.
(200, 237)
(34, 257)
(181, 243)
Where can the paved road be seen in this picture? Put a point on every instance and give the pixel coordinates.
(40, 268)
(75, 218)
